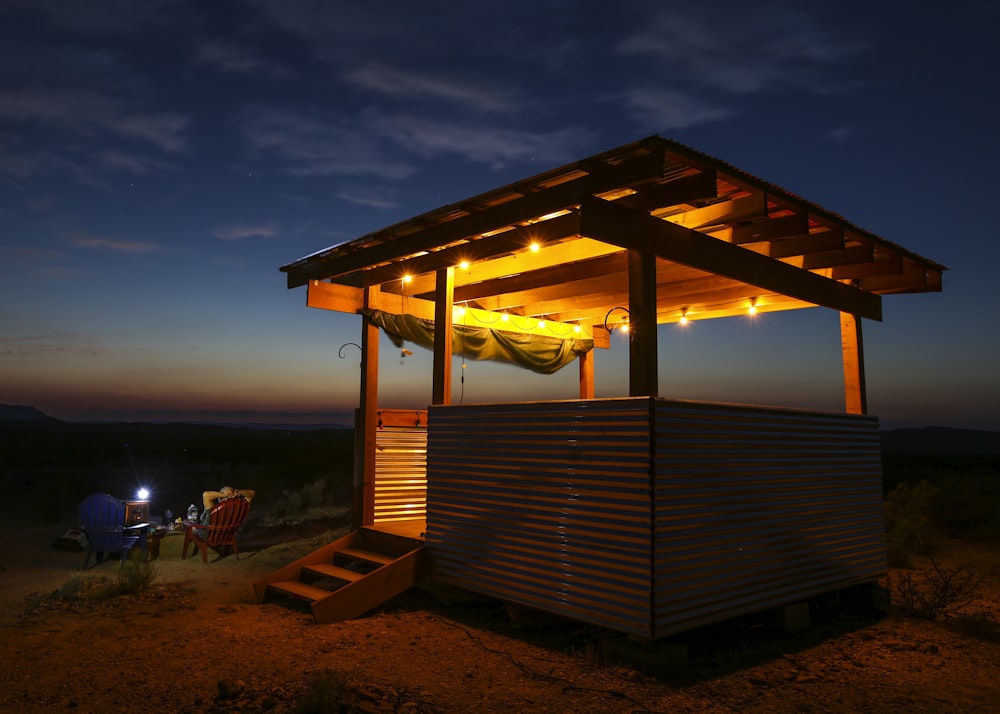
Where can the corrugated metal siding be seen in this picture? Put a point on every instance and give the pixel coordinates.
(554, 505)
(400, 473)
(759, 507)
(545, 504)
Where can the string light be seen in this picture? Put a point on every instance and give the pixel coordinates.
(407, 278)
(464, 265)
(534, 246)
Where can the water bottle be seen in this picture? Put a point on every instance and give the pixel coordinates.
(193, 513)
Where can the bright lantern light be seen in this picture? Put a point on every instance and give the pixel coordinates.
(142, 494)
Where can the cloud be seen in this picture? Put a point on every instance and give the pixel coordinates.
(237, 59)
(314, 147)
(162, 130)
(416, 85)
(86, 112)
(242, 232)
(665, 109)
(742, 48)
(132, 163)
(131, 247)
(41, 345)
(362, 196)
(483, 144)
(841, 134)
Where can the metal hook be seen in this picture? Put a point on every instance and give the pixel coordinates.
(340, 352)
(611, 329)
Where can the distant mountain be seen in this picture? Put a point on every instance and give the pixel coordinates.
(942, 440)
(10, 412)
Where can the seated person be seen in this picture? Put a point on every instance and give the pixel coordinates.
(210, 499)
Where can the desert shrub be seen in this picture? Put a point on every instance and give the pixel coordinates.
(314, 497)
(324, 694)
(968, 505)
(934, 593)
(906, 517)
(134, 575)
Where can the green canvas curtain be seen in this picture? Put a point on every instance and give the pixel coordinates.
(538, 353)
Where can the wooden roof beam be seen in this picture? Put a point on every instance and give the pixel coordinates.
(883, 263)
(547, 299)
(914, 277)
(562, 276)
(771, 229)
(548, 256)
(864, 253)
(476, 251)
(740, 209)
(822, 241)
(630, 229)
(686, 189)
(646, 167)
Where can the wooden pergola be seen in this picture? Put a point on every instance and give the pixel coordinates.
(653, 232)
(649, 233)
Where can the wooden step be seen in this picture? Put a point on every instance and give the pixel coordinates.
(324, 570)
(367, 555)
(300, 590)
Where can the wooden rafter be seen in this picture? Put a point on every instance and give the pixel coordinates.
(603, 220)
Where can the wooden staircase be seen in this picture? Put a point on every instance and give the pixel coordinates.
(350, 576)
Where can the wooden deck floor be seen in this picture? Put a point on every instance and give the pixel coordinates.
(409, 529)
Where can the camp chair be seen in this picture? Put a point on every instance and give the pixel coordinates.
(102, 520)
(224, 520)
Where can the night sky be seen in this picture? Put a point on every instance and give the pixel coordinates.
(160, 160)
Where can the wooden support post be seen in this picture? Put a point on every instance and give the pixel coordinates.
(855, 391)
(586, 361)
(364, 501)
(642, 358)
(444, 295)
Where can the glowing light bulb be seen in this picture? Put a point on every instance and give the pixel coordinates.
(684, 316)
(541, 324)
(407, 278)
(142, 494)
(505, 317)
(624, 327)
(753, 306)
(464, 265)
(576, 328)
(459, 310)
(534, 247)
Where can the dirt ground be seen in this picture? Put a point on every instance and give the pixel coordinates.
(196, 641)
